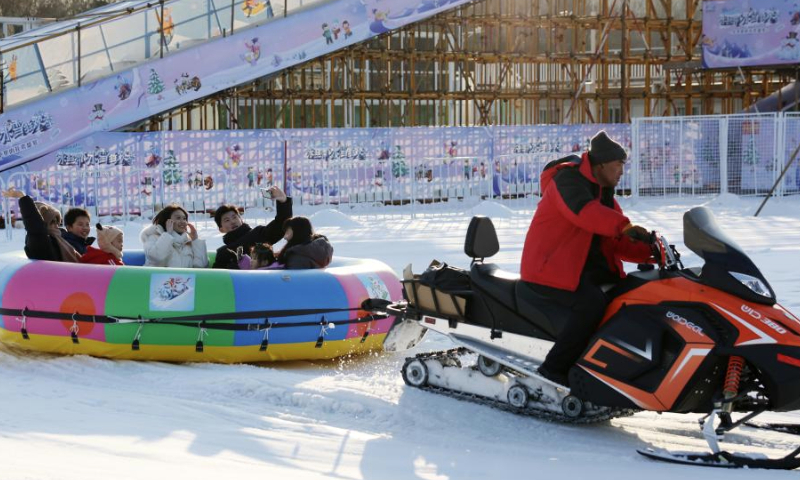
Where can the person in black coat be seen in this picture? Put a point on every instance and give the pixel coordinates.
(304, 249)
(239, 234)
(43, 233)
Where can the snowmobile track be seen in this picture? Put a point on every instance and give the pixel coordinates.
(549, 416)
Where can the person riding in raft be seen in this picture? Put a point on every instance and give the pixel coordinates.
(171, 241)
(304, 248)
(110, 240)
(78, 225)
(239, 234)
(43, 240)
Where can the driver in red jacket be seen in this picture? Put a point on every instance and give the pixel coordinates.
(576, 242)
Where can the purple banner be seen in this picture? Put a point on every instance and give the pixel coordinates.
(133, 172)
(739, 33)
(40, 127)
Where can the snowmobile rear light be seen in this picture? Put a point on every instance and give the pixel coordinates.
(430, 320)
(795, 362)
(753, 283)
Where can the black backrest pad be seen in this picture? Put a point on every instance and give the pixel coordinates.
(481, 241)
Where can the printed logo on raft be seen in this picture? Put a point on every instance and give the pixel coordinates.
(686, 323)
(766, 321)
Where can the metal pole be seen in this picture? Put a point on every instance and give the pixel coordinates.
(780, 178)
(2, 87)
(161, 29)
(723, 155)
(78, 29)
(232, 12)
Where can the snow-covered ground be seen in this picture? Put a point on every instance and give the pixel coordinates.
(85, 418)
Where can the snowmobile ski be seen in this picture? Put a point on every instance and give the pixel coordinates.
(724, 459)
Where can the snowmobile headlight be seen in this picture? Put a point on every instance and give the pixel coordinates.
(753, 283)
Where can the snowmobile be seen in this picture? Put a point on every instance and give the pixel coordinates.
(710, 340)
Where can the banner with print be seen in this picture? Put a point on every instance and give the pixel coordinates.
(739, 33)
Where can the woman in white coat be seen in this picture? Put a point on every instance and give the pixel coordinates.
(171, 241)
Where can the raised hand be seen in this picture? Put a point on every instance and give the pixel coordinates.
(277, 193)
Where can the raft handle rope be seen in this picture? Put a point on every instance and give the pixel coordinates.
(324, 327)
(135, 343)
(265, 339)
(367, 330)
(23, 328)
(74, 329)
(198, 347)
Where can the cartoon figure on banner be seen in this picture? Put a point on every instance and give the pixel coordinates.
(790, 47)
(399, 167)
(166, 25)
(451, 148)
(384, 152)
(378, 17)
(268, 178)
(346, 27)
(251, 177)
(253, 52)
(184, 83)
(326, 33)
(155, 86)
(336, 29)
(97, 116)
(195, 180)
(172, 174)
(234, 157)
(153, 158)
(123, 88)
(147, 183)
(208, 182)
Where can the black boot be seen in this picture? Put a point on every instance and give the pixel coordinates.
(557, 377)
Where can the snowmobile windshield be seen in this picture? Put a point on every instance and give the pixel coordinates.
(726, 267)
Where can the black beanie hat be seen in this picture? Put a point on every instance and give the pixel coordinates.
(604, 150)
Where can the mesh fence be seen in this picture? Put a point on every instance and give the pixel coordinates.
(383, 170)
(791, 179)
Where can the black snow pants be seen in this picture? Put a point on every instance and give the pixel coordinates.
(587, 305)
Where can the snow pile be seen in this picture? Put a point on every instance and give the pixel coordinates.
(729, 201)
(333, 218)
(492, 209)
(72, 418)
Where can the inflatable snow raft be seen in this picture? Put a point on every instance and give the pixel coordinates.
(193, 315)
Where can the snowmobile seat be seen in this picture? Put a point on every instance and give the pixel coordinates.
(498, 283)
(481, 239)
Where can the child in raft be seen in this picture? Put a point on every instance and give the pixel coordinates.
(110, 240)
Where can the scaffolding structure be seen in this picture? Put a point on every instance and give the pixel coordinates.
(500, 62)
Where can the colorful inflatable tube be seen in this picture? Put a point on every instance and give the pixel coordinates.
(193, 315)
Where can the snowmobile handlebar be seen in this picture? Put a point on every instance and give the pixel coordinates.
(666, 256)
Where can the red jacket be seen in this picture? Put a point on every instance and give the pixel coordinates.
(95, 255)
(572, 210)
